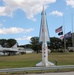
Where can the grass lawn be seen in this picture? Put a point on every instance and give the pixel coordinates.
(30, 60)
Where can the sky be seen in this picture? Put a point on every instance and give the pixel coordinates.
(21, 19)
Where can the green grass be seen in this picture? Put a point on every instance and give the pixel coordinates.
(62, 58)
(30, 60)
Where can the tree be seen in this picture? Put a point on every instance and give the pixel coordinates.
(7, 43)
(11, 42)
(3, 42)
(69, 42)
(35, 43)
(55, 43)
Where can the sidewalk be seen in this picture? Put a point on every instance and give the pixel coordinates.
(62, 73)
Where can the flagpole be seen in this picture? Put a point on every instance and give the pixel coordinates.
(64, 34)
(72, 33)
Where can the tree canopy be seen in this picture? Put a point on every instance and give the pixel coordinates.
(7, 42)
(55, 43)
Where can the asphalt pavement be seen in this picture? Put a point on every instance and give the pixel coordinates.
(62, 73)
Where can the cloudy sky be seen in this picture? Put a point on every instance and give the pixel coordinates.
(20, 19)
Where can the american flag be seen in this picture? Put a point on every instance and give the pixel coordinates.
(58, 29)
(61, 37)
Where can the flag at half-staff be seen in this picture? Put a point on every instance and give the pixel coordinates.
(61, 37)
(60, 33)
(68, 35)
(59, 30)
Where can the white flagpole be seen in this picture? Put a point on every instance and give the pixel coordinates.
(72, 33)
(64, 34)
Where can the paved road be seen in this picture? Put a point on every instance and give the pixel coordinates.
(63, 73)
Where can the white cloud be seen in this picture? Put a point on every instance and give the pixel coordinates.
(70, 3)
(57, 13)
(24, 38)
(30, 7)
(2, 13)
(14, 30)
